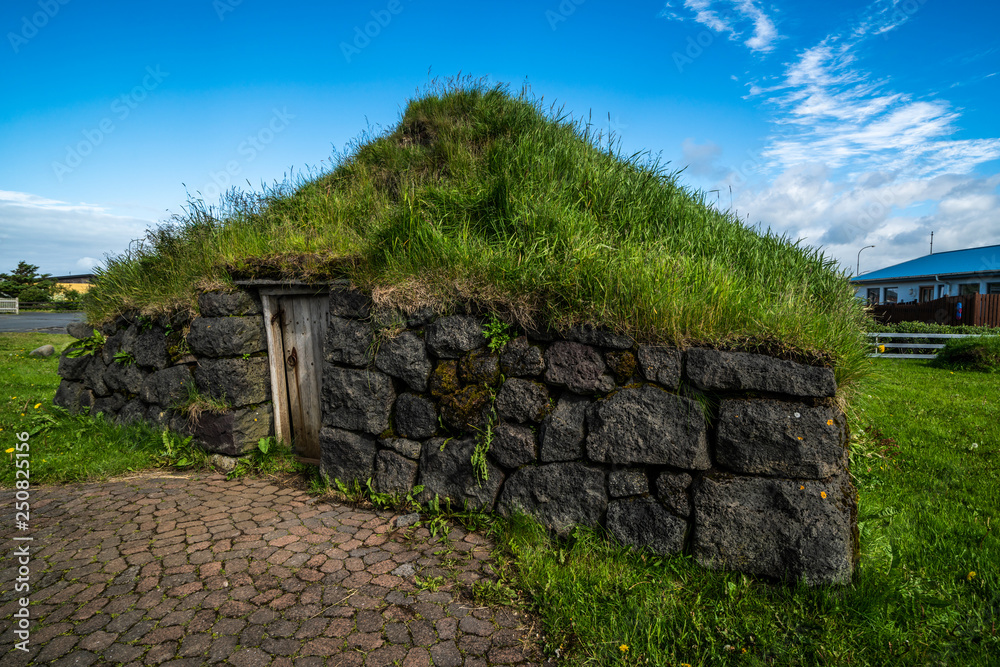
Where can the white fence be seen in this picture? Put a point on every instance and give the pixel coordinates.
(8, 306)
(883, 345)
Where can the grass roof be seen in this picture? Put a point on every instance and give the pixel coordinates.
(480, 195)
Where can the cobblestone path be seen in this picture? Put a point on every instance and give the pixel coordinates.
(195, 570)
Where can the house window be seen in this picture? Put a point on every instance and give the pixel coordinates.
(890, 295)
(993, 288)
(872, 296)
(968, 288)
(926, 293)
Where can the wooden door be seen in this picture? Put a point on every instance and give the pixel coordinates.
(297, 328)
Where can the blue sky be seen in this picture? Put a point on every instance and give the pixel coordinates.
(844, 124)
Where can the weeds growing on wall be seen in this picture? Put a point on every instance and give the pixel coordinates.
(480, 194)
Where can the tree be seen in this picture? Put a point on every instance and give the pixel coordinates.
(26, 277)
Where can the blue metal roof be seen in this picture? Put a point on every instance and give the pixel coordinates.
(969, 261)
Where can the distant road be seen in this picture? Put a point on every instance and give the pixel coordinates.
(43, 322)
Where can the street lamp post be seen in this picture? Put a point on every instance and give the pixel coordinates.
(858, 269)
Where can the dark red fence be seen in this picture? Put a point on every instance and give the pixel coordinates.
(979, 310)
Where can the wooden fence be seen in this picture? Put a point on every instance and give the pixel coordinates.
(925, 349)
(978, 310)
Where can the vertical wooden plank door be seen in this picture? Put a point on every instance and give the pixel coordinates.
(296, 329)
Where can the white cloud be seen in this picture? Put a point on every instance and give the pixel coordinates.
(734, 18)
(853, 162)
(60, 237)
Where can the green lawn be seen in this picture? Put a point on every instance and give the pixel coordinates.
(925, 464)
(63, 448)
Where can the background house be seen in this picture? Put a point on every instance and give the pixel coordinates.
(953, 273)
(78, 283)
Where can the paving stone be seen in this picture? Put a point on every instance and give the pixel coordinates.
(194, 570)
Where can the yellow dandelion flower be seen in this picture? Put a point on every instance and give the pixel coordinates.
(829, 422)
(9, 451)
(801, 487)
(38, 405)
(822, 494)
(970, 576)
(881, 348)
(800, 437)
(623, 648)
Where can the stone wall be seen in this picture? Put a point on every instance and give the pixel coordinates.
(738, 459)
(146, 366)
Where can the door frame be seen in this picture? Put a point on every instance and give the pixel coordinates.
(269, 298)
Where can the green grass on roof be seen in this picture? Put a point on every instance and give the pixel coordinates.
(481, 195)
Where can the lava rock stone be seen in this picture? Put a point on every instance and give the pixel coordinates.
(346, 456)
(415, 417)
(166, 387)
(225, 304)
(408, 448)
(520, 358)
(579, 368)
(513, 446)
(562, 431)
(405, 357)
(780, 439)
(394, 474)
(446, 471)
(349, 303)
(237, 381)
(739, 371)
(227, 336)
(628, 482)
(452, 336)
(589, 335)
(522, 401)
(783, 529)
(348, 342)
(642, 522)
(359, 400)
(661, 365)
(558, 495)
(648, 425)
(672, 488)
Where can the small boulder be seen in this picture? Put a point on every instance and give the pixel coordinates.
(43, 351)
(360, 400)
(348, 342)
